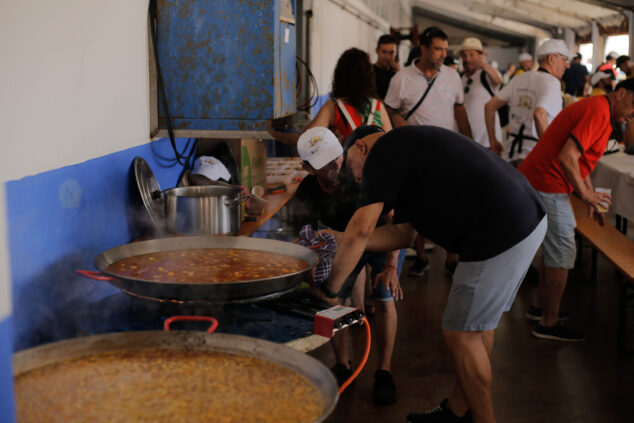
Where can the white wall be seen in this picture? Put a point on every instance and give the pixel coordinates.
(74, 87)
(74, 81)
(335, 29)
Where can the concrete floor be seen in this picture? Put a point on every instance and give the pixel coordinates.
(533, 380)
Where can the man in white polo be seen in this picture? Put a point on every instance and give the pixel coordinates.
(428, 93)
(443, 103)
(534, 99)
(480, 81)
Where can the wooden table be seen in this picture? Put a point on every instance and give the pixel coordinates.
(274, 204)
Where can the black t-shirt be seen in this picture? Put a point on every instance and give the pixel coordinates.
(382, 78)
(575, 77)
(452, 190)
(311, 204)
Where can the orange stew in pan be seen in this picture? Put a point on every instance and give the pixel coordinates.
(152, 385)
(204, 265)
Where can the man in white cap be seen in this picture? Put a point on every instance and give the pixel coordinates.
(602, 82)
(526, 63)
(534, 99)
(323, 198)
(480, 81)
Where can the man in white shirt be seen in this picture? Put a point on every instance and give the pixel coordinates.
(443, 104)
(428, 93)
(534, 99)
(480, 81)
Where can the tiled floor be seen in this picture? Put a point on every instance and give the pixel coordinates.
(533, 380)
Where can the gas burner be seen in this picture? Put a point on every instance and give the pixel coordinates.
(122, 312)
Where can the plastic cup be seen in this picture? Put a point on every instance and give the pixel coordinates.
(603, 207)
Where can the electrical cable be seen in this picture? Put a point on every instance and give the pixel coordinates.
(366, 354)
(312, 83)
(153, 13)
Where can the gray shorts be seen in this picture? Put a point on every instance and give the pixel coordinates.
(559, 248)
(483, 290)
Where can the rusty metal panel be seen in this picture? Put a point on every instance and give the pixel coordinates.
(226, 64)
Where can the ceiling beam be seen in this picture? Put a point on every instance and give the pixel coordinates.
(457, 11)
(516, 39)
(616, 5)
(542, 22)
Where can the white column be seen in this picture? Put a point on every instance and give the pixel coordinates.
(569, 39)
(630, 24)
(5, 275)
(596, 51)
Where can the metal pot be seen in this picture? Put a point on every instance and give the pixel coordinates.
(193, 210)
(204, 210)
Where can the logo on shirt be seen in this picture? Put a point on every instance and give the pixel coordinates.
(526, 101)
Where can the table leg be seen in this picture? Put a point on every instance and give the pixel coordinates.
(621, 224)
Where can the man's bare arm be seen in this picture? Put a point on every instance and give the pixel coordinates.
(460, 114)
(391, 237)
(569, 160)
(490, 109)
(395, 117)
(540, 115)
(353, 244)
(494, 74)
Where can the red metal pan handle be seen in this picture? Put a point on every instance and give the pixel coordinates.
(168, 321)
(98, 276)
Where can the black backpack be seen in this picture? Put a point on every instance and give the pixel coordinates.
(503, 111)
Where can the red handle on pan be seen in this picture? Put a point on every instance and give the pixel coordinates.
(168, 321)
(98, 276)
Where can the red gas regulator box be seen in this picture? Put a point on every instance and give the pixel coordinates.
(328, 321)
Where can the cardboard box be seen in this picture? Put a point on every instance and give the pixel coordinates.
(252, 163)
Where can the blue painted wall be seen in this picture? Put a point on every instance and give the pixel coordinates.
(7, 408)
(59, 221)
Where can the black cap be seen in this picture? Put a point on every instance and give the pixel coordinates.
(628, 84)
(361, 132)
(622, 59)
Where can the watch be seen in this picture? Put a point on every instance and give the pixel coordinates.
(327, 292)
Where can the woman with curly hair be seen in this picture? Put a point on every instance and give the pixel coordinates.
(353, 101)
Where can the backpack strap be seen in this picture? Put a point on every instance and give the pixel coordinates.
(485, 83)
(346, 114)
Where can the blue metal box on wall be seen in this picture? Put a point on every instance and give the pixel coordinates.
(227, 65)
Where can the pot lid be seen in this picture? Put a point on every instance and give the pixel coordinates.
(150, 191)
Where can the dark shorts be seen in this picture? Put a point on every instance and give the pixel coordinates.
(377, 262)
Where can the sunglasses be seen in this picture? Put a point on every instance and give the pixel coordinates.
(466, 89)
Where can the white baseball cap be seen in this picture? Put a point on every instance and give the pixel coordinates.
(554, 46)
(525, 57)
(599, 76)
(211, 167)
(613, 55)
(318, 146)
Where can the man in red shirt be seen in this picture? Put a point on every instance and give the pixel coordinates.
(560, 163)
